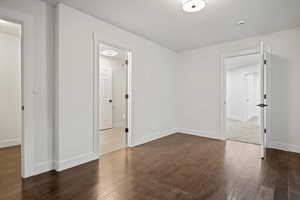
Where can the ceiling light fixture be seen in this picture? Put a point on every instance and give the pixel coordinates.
(193, 5)
(109, 53)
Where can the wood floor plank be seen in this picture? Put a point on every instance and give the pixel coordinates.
(179, 166)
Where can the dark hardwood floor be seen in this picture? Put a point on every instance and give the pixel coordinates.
(179, 167)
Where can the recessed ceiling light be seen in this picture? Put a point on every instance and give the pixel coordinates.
(193, 5)
(240, 22)
(109, 53)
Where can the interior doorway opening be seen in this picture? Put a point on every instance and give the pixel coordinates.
(246, 96)
(242, 98)
(113, 98)
(11, 116)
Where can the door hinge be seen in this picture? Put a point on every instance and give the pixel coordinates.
(265, 130)
(126, 62)
(126, 96)
(23, 108)
(126, 130)
(265, 62)
(265, 96)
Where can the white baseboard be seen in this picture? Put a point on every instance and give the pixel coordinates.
(201, 133)
(42, 168)
(153, 136)
(75, 161)
(10, 143)
(234, 118)
(285, 146)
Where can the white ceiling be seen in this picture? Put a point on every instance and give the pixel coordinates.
(164, 22)
(241, 61)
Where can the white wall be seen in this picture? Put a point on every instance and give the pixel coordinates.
(200, 74)
(153, 89)
(237, 108)
(42, 14)
(10, 90)
(118, 88)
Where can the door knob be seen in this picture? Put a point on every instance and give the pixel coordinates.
(262, 105)
(110, 101)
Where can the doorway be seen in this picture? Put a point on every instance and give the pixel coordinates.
(245, 96)
(11, 116)
(113, 98)
(242, 97)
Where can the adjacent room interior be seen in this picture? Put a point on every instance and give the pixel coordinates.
(149, 100)
(113, 103)
(11, 99)
(242, 98)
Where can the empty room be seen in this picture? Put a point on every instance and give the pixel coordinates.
(149, 100)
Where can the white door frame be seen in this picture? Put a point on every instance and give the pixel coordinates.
(223, 86)
(27, 82)
(97, 41)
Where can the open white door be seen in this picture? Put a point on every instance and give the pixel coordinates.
(263, 99)
(105, 98)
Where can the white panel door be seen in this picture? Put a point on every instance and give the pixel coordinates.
(252, 93)
(263, 99)
(105, 98)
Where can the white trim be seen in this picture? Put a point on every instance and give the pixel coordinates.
(285, 146)
(130, 100)
(223, 98)
(10, 143)
(75, 161)
(153, 136)
(199, 133)
(42, 168)
(96, 101)
(262, 111)
(96, 41)
(269, 95)
(28, 89)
